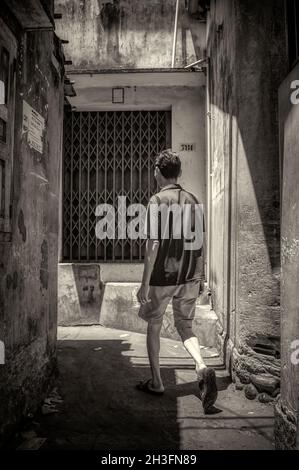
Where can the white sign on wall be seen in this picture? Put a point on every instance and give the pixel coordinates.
(33, 127)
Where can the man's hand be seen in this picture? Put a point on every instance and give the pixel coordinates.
(143, 294)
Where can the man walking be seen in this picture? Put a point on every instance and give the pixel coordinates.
(173, 270)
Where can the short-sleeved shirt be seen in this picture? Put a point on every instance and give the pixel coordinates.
(175, 218)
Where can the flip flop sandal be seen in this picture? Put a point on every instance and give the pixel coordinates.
(144, 387)
(209, 390)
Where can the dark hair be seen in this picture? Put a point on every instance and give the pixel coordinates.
(169, 164)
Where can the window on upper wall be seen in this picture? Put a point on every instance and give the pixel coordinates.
(292, 11)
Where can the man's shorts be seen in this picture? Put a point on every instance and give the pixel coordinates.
(183, 302)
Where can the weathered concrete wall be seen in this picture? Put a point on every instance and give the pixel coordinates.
(80, 293)
(221, 50)
(287, 410)
(246, 44)
(28, 269)
(127, 33)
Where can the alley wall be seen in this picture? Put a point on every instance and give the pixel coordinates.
(287, 409)
(246, 46)
(29, 251)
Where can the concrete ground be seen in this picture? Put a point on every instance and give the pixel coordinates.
(101, 409)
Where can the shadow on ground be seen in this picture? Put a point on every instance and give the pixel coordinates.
(98, 371)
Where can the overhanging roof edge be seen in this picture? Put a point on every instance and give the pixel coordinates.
(123, 71)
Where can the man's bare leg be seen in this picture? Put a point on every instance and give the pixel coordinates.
(153, 349)
(206, 375)
(193, 348)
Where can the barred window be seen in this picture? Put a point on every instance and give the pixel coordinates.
(106, 155)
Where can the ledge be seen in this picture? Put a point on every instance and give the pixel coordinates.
(125, 70)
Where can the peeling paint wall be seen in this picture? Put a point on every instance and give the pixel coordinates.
(128, 33)
(28, 263)
(246, 44)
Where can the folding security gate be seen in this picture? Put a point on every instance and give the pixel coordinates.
(106, 155)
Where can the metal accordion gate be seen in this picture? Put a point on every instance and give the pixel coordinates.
(108, 154)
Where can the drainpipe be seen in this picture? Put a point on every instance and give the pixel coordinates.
(175, 33)
(209, 174)
(209, 163)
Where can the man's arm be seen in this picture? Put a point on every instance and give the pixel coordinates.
(151, 251)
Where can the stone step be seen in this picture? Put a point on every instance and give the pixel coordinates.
(119, 309)
(89, 295)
